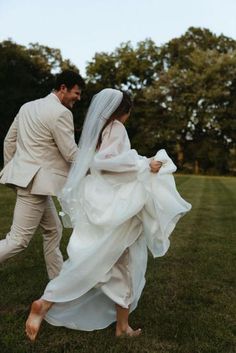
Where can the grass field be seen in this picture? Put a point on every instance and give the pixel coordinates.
(188, 304)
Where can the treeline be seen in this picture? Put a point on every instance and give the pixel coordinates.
(184, 93)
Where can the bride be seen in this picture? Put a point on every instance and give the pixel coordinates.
(120, 205)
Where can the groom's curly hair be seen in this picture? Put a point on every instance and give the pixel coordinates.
(124, 107)
(69, 78)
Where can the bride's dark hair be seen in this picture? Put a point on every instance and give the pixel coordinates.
(123, 108)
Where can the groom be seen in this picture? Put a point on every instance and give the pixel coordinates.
(38, 151)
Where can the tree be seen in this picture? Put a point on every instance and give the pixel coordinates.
(129, 68)
(25, 74)
(194, 99)
(184, 95)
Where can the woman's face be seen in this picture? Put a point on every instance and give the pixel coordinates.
(124, 117)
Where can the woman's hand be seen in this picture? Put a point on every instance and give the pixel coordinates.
(155, 166)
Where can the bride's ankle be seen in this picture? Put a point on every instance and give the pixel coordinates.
(121, 328)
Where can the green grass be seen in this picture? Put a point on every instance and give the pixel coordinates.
(188, 304)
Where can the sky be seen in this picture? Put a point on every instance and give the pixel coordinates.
(81, 28)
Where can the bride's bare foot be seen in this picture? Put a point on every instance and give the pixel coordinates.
(127, 332)
(38, 310)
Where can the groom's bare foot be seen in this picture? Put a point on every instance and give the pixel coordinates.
(38, 310)
(128, 332)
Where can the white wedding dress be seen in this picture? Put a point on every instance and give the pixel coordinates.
(124, 209)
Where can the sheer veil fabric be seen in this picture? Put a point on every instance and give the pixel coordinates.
(119, 210)
(102, 106)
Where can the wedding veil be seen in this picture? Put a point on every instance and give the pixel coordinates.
(101, 108)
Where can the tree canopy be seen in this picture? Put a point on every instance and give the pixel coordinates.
(184, 93)
(26, 73)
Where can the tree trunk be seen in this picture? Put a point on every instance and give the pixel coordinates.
(180, 155)
(196, 167)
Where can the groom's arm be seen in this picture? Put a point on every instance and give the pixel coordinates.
(10, 141)
(63, 134)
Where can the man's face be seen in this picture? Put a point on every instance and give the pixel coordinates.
(70, 96)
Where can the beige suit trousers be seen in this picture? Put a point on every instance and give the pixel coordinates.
(30, 212)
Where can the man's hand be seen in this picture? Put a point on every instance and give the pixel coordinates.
(155, 166)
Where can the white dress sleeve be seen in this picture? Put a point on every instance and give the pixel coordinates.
(115, 153)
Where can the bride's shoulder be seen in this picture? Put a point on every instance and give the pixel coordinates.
(115, 132)
(118, 123)
(114, 128)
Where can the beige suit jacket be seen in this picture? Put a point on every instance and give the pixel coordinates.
(39, 147)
